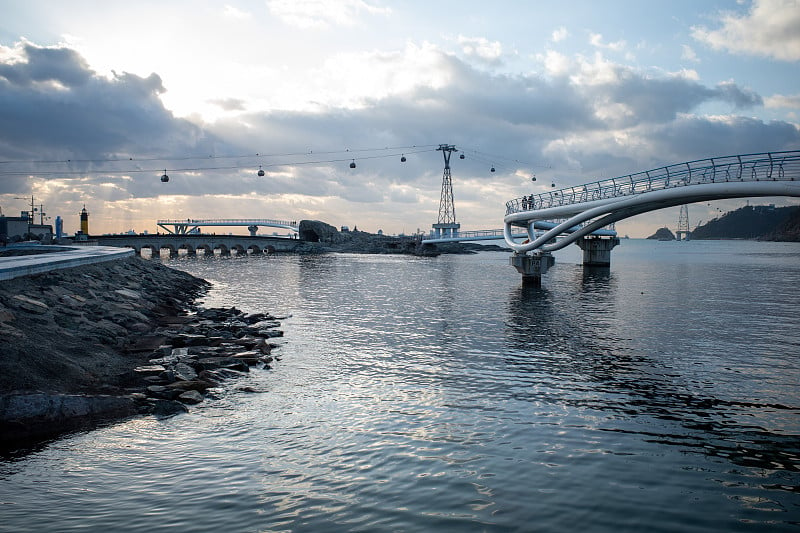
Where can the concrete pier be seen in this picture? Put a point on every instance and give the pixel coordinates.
(597, 250)
(532, 267)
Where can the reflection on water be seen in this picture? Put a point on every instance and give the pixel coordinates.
(660, 394)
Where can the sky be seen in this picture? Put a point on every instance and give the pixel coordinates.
(99, 99)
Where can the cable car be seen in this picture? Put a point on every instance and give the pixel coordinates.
(461, 156)
(353, 164)
(402, 159)
(533, 178)
(164, 177)
(260, 172)
(553, 184)
(492, 169)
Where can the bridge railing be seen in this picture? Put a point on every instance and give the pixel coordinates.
(749, 167)
(227, 222)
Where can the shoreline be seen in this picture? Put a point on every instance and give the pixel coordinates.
(88, 345)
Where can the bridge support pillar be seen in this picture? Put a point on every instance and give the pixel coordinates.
(597, 250)
(446, 229)
(532, 267)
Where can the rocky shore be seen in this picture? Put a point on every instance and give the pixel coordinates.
(94, 343)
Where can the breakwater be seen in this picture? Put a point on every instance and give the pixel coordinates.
(82, 345)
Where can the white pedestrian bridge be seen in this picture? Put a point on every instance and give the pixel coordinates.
(581, 210)
(193, 225)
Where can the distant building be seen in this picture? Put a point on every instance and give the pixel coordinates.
(22, 228)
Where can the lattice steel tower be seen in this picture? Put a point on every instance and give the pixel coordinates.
(683, 224)
(447, 225)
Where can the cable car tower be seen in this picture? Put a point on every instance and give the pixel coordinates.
(447, 225)
(683, 224)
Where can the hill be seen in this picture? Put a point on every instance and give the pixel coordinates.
(763, 222)
(663, 234)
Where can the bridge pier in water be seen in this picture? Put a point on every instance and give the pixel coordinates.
(597, 250)
(532, 267)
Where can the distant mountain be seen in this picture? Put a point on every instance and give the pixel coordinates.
(762, 222)
(663, 234)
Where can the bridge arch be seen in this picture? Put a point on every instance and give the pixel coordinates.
(173, 251)
(190, 250)
(595, 205)
(152, 247)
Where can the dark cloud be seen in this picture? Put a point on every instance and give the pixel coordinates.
(740, 98)
(61, 65)
(55, 108)
(695, 137)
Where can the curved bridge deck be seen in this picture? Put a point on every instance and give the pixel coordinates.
(598, 204)
(192, 225)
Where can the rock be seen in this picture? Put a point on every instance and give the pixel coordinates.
(191, 397)
(186, 339)
(318, 231)
(29, 304)
(162, 392)
(39, 415)
(165, 408)
(149, 369)
(7, 316)
(72, 300)
(270, 333)
(197, 385)
(184, 372)
(127, 293)
(266, 324)
(213, 363)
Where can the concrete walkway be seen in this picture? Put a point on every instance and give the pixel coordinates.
(61, 257)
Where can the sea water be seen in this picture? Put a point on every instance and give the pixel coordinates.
(419, 394)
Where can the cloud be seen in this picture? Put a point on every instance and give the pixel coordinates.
(695, 137)
(581, 119)
(780, 101)
(769, 29)
(559, 34)
(740, 98)
(55, 107)
(235, 13)
(481, 49)
(307, 14)
(688, 54)
(596, 40)
(229, 104)
(27, 65)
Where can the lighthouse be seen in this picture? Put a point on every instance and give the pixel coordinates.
(84, 221)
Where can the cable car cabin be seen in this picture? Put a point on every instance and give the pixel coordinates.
(461, 156)
(260, 172)
(353, 164)
(164, 178)
(402, 159)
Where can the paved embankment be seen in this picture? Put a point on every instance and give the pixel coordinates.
(61, 257)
